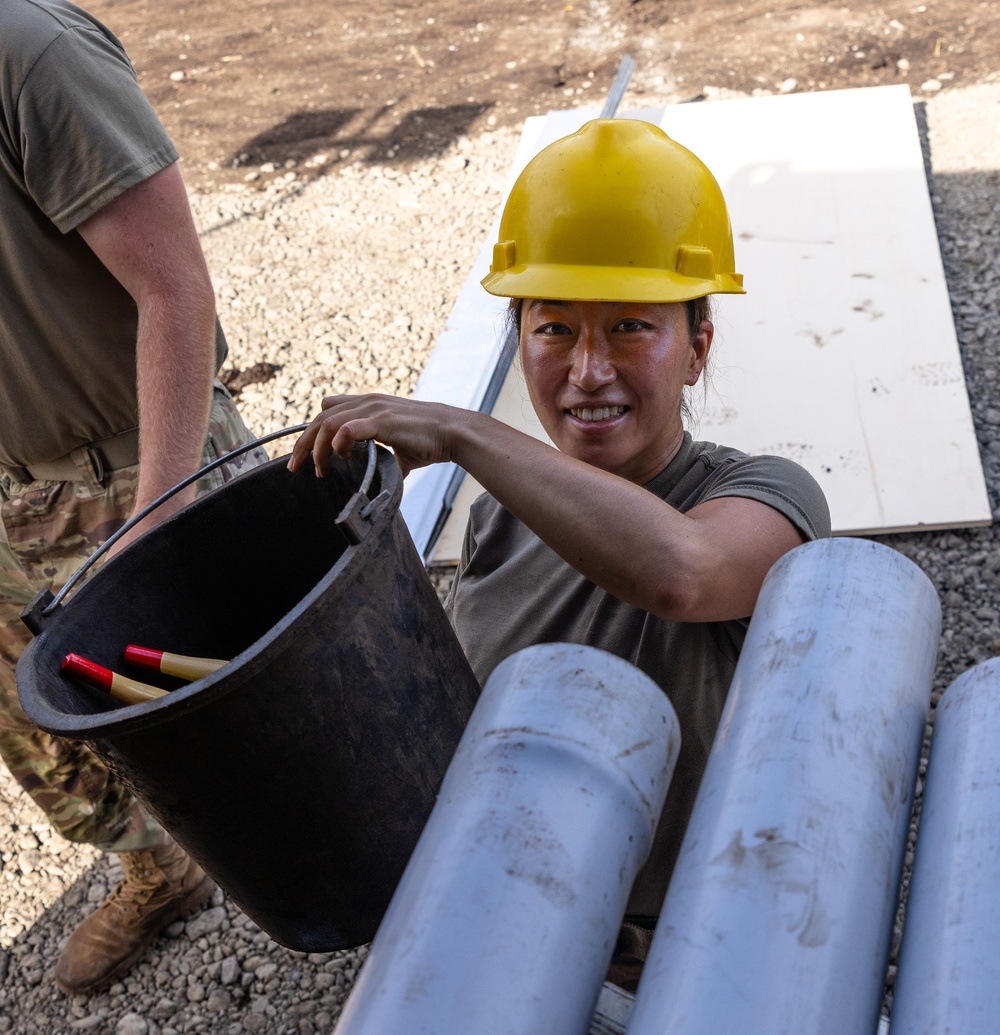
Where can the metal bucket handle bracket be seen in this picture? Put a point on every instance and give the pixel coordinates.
(355, 519)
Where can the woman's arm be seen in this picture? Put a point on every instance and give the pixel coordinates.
(705, 565)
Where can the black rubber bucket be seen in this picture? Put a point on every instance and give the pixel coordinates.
(301, 774)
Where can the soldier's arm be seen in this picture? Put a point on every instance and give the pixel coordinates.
(147, 239)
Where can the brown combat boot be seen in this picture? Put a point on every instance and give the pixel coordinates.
(161, 885)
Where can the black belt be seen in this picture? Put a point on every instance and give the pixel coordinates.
(96, 459)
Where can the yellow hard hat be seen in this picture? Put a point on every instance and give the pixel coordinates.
(619, 212)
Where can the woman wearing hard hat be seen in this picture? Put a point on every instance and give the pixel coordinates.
(629, 535)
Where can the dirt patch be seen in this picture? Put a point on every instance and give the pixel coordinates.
(269, 82)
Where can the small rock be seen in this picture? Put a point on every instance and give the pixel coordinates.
(930, 85)
(206, 922)
(219, 1000)
(132, 1024)
(177, 76)
(164, 1008)
(788, 86)
(28, 860)
(230, 970)
(88, 1023)
(33, 969)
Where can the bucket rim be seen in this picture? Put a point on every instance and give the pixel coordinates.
(203, 692)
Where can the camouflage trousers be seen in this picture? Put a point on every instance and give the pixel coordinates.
(47, 530)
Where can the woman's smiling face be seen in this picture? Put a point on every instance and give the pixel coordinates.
(606, 379)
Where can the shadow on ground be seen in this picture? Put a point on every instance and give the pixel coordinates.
(363, 133)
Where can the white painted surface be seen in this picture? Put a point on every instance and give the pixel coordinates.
(779, 915)
(949, 962)
(842, 356)
(614, 1005)
(508, 911)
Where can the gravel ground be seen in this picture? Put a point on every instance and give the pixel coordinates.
(343, 282)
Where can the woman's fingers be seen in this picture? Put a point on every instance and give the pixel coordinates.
(346, 420)
(303, 446)
(319, 440)
(419, 433)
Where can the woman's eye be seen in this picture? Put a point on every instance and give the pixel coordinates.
(552, 328)
(631, 326)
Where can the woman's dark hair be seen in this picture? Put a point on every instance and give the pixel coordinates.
(698, 309)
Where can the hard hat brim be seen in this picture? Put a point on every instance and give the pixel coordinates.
(606, 284)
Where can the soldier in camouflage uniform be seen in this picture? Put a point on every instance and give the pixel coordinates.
(108, 349)
(82, 799)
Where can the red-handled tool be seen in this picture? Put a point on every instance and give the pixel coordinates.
(131, 691)
(172, 664)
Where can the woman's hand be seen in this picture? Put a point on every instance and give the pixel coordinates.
(420, 433)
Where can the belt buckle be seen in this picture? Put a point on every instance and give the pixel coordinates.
(98, 466)
(89, 466)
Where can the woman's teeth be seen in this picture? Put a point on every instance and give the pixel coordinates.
(599, 413)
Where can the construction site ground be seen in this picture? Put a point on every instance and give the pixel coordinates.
(346, 161)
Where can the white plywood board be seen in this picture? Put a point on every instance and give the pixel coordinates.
(843, 354)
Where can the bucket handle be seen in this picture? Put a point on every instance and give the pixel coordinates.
(352, 518)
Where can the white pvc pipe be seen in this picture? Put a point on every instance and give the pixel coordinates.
(949, 963)
(507, 914)
(779, 914)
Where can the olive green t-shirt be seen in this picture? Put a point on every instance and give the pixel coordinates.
(76, 131)
(512, 591)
